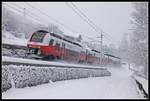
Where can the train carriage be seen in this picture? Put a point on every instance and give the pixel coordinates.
(50, 46)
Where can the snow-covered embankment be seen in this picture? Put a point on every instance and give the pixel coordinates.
(25, 75)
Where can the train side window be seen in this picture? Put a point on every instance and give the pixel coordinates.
(63, 45)
(57, 44)
(51, 42)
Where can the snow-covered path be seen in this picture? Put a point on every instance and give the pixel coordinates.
(119, 85)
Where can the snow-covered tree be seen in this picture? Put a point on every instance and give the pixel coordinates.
(112, 50)
(124, 49)
(139, 36)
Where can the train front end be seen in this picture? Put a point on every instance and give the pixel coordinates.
(37, 43)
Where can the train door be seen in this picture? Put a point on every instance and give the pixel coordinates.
(57, 49)
(86, 57)
(63, 51)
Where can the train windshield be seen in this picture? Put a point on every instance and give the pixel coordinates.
(38, 36)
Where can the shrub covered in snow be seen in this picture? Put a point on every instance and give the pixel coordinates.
(59, 74)
(30, 76)
(24, 76)
(73, 73)
(6, 82)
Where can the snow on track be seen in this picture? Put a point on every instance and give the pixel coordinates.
(12, 59)
(119, 85)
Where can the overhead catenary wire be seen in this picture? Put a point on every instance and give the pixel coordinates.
(28, 11)
(89, 19)
(38, 16)
(42, 13)
(85, 16)
(50, 17)
(93, 24)
(21, 11)
(37, 20)
(81, 17)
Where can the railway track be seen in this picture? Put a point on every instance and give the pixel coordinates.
(14, 50)
(10, 46)
(29, 62)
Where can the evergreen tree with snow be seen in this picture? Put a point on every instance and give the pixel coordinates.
(124, 49)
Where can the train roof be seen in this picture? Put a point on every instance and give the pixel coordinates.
(96, 51)
(60, 37)
(42, 31)
(112, 56)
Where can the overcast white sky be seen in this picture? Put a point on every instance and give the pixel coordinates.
(112, 17)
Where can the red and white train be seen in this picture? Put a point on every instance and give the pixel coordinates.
(49, 46)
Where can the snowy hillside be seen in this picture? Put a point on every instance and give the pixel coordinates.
(9, 38)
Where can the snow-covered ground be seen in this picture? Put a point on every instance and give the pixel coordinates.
(119, 85)
(9, 38)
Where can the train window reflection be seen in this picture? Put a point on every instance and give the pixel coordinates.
(51, 42)
(38, 37)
